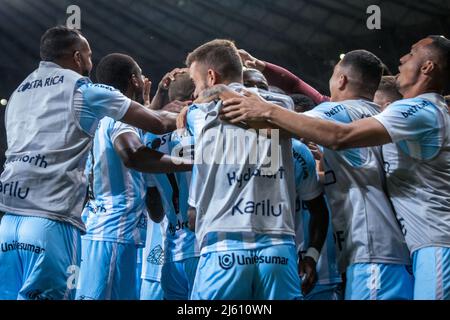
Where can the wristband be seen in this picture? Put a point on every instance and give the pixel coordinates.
(313, 254)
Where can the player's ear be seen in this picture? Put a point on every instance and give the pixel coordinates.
(134, 81)
(77, 58)
(427, 67)
(342, 82)
(212, 78)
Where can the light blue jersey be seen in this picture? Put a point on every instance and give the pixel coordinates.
(118, 192)
(153, 258)
(308, 187)
(245, 209)
(417, 166)
(180, 242)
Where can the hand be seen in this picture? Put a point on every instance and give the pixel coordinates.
(176, 106)
(315, 150)
(170, 77)
(251, 62)
(182, 118)
(217, 92)
(249, 107)
(147, 88)
(308, 274)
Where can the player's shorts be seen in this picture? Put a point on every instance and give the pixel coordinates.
(151, 290)
(39, 258)
(108, 271)
(376, 281)
(139, 271)
(264, 274)
(326, 292)
(177, 278)
(431, 268)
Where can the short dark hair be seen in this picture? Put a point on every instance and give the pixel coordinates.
(302, 103)
(181, 89)
(389, 88)
(116, 70)
(447, 100)
(367, 67)
(441, 45)
(59, 41)
(220, 55)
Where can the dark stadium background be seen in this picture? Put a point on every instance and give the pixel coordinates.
(305, 36)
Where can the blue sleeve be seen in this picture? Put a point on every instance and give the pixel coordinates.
(104, 101)
(416, 126)
(307, 181)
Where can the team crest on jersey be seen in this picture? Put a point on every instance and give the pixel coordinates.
(156, 256)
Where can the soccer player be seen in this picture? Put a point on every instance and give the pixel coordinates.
(416, 139)
(329, 280)
(50, 122)
(109, 251)
(245, 210)
(371, 248)
(181, 250)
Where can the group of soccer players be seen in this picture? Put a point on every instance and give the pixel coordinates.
(217, 188)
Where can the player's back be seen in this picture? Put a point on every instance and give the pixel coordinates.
(241, 180)
(364, 222)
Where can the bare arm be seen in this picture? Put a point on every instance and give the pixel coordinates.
(157, 122)
(318, 227)
(140, 158)
(362, 133)
(154, 204)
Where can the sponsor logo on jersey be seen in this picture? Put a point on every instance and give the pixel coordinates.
(233, 177)
(36, 160)
(40, 83)
(262, 208)
(14, 190)
(15, 245)
(414, 109)
(227, 261)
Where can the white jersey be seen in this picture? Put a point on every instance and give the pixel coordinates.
(364, 222)
(180, 242)
(118, 192)
(308, 187)
(417, 166)
(153, 256)
(50, 122)
(241, 184)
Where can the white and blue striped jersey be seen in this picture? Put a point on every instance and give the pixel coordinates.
(308, 187)
(180, 242)
(118, 192)
(364, 222)
(417, 166)
(153, 256)
(92, 102)
(236, 203)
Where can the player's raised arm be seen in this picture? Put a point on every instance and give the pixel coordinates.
(363, 133)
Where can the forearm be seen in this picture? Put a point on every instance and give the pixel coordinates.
(151, 161)
(318, 223)
(328, 134)
(157, 122)
(160, 99)
(290, 83)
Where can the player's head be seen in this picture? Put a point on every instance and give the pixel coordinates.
(182, 88)
(123, 73)
(387, 92)
(255, 79)
(357, 74)
(302, 103)
(67, 48)
(426, 67)
(215, 62)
